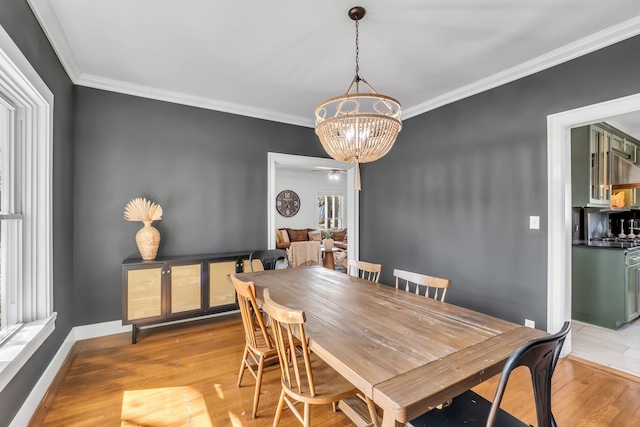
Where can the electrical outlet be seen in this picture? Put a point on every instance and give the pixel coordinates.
(534, 222)
(530, 323)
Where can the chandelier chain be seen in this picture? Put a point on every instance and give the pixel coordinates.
(357, 52)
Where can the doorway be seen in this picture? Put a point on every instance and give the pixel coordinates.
(351, 197)
(559, 201)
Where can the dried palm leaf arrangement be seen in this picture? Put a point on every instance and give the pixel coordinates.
(148, 237)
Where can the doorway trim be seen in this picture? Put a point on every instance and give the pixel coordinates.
(559, 201)
(351, 196)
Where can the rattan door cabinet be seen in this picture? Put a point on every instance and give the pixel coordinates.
(175, 288)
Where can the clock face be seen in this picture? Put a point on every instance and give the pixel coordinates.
(287, 203)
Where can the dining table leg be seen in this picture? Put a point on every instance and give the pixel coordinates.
(389, 421)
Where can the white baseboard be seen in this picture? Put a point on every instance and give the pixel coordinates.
(77, 333)
(100, 330)
(30, 405)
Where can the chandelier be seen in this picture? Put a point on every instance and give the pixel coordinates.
(358, 127)
(334, 174)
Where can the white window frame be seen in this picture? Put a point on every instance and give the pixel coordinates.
(28, 105)
(329, 193)
(10, 220)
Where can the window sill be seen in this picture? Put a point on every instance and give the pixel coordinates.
(16, 351)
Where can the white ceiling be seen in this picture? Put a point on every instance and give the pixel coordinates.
(277, 60)
(628, 123)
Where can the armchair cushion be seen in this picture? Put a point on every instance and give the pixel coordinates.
(298, 235)
(340, 234)
(315, 235)
(285, 236)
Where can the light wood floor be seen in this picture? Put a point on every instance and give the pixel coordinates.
(185, 375)
(618, 350)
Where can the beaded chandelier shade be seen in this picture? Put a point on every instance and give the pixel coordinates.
(358, 127)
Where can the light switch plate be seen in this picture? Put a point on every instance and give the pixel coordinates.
(534, 222)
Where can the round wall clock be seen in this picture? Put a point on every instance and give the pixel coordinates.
(287, 203)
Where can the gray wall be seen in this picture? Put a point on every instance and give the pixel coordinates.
(452, 198)
(454, 195)
(18, 21)
(206, 169)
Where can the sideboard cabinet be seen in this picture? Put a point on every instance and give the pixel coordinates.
(175, 288)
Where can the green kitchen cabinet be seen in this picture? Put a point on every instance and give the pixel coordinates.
(605, 285)
(599, 288)
(594, 149)
(590, 167)
(633, 287)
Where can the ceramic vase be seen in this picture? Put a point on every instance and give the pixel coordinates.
(148, 240)
(328, 244)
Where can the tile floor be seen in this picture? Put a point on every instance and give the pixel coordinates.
(618, 350)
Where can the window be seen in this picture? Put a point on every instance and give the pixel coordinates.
(10, 221)
(26, 287)
(329, 210)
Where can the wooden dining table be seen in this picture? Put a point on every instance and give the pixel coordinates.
(406, 352)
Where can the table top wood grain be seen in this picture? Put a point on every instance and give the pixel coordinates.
(406, 352)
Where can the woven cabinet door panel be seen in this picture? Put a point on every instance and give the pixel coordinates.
(221, 291)
(256, 263)
(186, 288)
(144, 293)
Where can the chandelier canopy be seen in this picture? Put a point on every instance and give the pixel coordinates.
(358, 127)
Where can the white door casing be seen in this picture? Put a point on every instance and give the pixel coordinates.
(559, 201)
(351, 196)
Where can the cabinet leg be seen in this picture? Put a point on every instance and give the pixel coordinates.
(134, 333)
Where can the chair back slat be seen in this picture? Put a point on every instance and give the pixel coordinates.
(434, 287)
(364, 270)
(287, 324)
(254, 326)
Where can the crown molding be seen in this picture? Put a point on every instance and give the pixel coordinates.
(631, 132)
(48, 20)
(604, 38)
(50, 24)
(618, 126)
(192, 100)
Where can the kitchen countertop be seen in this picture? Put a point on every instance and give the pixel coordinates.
(624, 245)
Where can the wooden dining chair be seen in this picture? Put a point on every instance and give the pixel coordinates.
(364, 270)
(434, 285)
(259, 346)
(471, 410)
(306, 378)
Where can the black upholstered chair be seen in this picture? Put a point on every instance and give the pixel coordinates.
(470, 409)
(268, 258)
